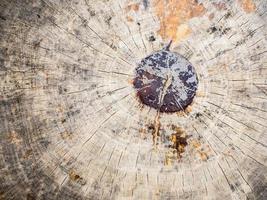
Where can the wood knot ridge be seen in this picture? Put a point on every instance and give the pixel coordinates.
(166, 81)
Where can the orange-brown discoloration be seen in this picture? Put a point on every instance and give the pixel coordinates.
(169, 158)
(66, 135)
(179, 140)
(73, 176)
(76, 177)
(188, 109)
(130, 81)
(129, 19)
(14, 138)
(196, 144)
(200, 94)
(218, 67)
(156, 128)
(227, 153)
(132, 7)
(203, 151)
(173, 16)
(247, 5)
(203, 155)
(60, 108)
(185, 112)
(28, 154)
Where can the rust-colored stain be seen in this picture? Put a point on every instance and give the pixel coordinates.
(66, 135)
(28, 154)
(203, 155)
(174, 15)
(196, 144)
(178, 144)
(76, 177)
(14, 138)
(200, 94)
(247, 5)
(170, 157)
(129, 19)
(73, 176)
(203, 152)
(185, 112)
(179, 140)
(156, 129)
(189, 109)
(142, 132)
(134, 7)
(60, 108)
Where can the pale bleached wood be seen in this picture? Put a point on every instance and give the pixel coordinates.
(72, 126)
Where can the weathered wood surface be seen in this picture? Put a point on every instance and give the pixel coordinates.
(71, 126)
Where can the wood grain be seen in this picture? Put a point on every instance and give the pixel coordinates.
(72, 127)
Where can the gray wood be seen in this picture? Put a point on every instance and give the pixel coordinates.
(71, 126)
